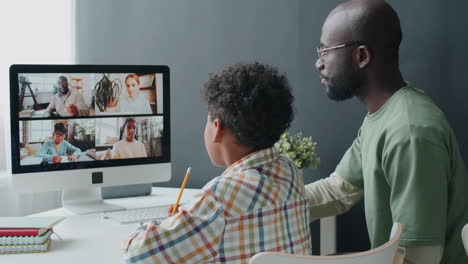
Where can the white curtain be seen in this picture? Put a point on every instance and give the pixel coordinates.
(33, 32)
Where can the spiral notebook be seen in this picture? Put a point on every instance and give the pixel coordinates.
(24, 240)
(26, 248)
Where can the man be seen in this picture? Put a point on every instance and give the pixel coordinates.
(405, 160)
(66, 103)
(53, 150)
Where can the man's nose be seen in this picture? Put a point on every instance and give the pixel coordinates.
(319, 65)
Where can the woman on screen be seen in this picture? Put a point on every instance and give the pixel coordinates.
(58, 150)
(128, 146)
(135, 103)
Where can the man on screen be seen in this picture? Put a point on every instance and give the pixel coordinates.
(66, 102)
(54, 149)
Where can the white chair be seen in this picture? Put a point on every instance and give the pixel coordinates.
(465, 237)
(385, 254)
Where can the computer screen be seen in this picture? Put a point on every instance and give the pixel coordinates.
(76, 120)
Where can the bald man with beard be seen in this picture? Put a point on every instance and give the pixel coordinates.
(405, 161)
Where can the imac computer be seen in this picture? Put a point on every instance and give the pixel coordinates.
(78, 128)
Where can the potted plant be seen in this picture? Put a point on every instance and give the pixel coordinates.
(83, 131)
(301, 150)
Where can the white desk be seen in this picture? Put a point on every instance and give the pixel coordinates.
(91, 239)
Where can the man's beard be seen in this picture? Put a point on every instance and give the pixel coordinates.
(345, 86)
(63, 90)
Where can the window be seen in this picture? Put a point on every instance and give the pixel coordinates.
(33, 32)
(107, 132)
(40, 131)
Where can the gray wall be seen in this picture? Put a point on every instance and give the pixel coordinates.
(198, 37)
(454, 88)
(194, 38)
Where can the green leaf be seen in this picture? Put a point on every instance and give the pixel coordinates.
(301, 150)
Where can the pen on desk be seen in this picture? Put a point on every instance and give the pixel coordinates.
(176, 205)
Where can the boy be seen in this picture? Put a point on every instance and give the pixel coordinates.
(258, 203)
(55, 148)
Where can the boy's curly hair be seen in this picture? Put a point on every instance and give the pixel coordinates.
(253, 100)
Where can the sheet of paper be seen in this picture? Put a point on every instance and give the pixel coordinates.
(31, 161)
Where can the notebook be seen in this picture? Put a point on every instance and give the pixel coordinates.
(26, 248)
(30, 222)
(16, 232)
(24, 240)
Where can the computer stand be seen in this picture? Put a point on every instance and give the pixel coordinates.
(86, 201)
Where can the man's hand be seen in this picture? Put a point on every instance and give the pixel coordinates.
(73, 110)
(71, 157)
(56, 159)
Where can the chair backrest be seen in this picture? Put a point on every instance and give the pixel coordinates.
(465, 237)
(385, 254)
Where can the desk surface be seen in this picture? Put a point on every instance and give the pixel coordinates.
(90, 238)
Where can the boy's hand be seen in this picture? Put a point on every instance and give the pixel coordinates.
(56, 159)
(169, 212)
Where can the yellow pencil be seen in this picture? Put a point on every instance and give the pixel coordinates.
(176, 205)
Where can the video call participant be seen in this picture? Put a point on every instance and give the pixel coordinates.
(53, 149)
(66, 102)
(128, 146)
(135, 103)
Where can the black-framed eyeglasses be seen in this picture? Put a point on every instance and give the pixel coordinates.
(322, 50)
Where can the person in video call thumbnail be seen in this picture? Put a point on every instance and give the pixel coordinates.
(134, 103)
(66, 102)
(53, 149)
(128, 146)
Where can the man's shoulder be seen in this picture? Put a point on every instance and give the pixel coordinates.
(415, 116)
(76, 94)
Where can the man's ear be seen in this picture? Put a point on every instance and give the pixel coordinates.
(363, 56)
(218, 130)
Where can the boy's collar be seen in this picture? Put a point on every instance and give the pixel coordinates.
(253, 160)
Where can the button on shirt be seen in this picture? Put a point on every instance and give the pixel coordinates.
(256, 205)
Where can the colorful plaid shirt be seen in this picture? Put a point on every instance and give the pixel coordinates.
(256, 205)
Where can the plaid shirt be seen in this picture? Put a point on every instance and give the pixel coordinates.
(256, 205)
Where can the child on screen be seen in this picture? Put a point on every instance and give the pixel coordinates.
(128, 146)
(257, 204)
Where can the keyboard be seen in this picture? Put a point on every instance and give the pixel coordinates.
(138, 215)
